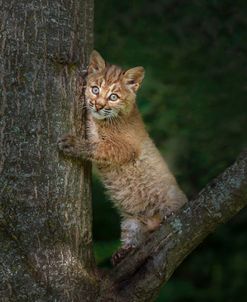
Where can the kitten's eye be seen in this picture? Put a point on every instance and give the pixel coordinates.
(95, 90)
(113, 97)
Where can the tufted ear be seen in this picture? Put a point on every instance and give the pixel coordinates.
(133, 77)
(96, 62)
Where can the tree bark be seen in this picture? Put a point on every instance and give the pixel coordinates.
(45, 209)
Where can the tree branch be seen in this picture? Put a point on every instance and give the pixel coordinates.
(140, 275)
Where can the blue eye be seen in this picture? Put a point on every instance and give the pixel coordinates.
(113, 97)
(95, 90)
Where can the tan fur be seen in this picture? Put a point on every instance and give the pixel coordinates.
(131, 168)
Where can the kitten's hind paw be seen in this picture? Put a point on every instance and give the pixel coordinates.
(120, 254)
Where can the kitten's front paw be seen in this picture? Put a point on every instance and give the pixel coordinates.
(69, 144)
(120, 254)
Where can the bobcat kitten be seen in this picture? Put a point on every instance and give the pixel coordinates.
(131, 168)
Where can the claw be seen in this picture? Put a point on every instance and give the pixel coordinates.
(120, 254)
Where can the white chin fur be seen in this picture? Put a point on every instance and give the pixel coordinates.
(98, 116)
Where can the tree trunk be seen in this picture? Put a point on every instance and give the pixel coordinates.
(45, 210)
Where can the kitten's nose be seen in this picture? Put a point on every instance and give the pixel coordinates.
(98, 106)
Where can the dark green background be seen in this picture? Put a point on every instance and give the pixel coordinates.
(193, 101)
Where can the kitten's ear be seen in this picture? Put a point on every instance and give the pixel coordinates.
(96, 62)
(133, 77)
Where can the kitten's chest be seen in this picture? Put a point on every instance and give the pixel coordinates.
(100, 133)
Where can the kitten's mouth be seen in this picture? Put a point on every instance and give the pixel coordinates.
(98, 114)
(103, 113)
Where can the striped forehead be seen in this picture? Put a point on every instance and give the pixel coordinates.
(106, 90)
(109, 80)
(115, 87)
(113, 74)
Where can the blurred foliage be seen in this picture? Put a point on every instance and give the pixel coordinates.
(193, 101)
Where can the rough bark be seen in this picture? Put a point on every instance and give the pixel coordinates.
(45, 210)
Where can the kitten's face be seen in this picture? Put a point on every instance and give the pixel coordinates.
(111, 91)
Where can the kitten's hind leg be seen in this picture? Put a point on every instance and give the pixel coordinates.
(132, 235)
(132, 232)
